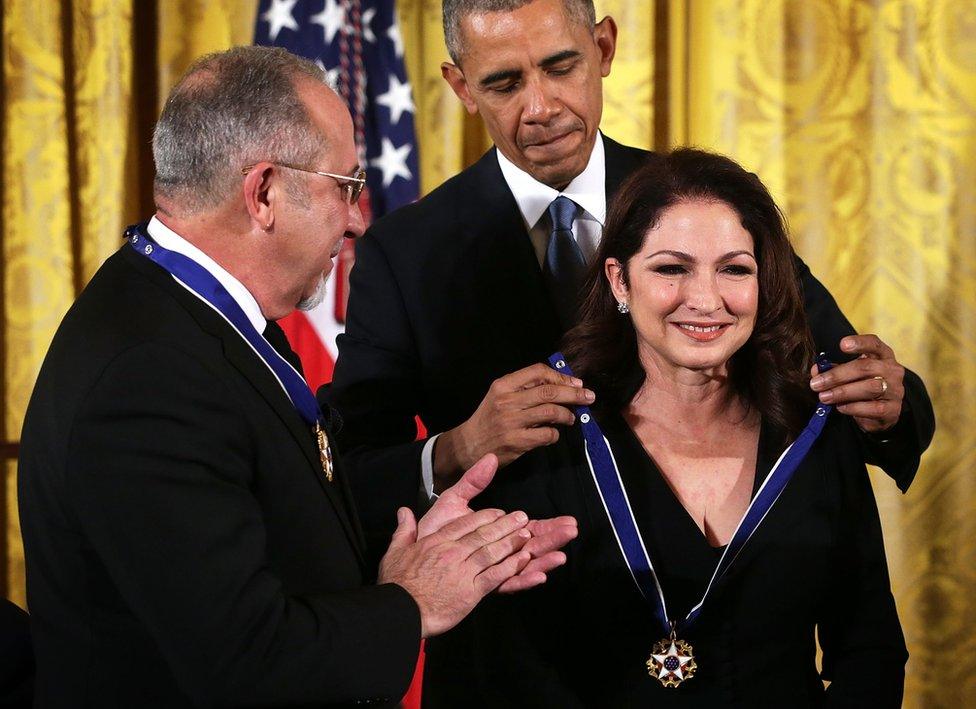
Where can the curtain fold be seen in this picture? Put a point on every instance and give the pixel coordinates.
(56, 57)
(860, 115)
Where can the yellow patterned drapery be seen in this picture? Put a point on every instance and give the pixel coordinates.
(63, 175)
(859, 114)
(80, 81)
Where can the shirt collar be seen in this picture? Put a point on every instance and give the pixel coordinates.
(588, 189)
(169, 239)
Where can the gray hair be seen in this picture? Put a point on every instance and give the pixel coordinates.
(232, 109)
(454, 11)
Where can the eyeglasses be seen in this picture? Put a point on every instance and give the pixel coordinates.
(351, 185)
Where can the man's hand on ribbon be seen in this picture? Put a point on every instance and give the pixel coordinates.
(869, 388)
(520, 412)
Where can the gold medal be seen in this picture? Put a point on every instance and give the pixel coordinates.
(325, 452)
(672, 661)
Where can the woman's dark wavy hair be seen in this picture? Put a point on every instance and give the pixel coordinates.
(770, 371)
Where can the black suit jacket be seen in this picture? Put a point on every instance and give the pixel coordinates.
(16, 658)
(182, 545)
(447, 295)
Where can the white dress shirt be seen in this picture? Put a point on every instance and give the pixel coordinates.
(169, 239)
(588, 190)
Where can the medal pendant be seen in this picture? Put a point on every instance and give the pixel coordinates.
(671, 662)
(325, 452)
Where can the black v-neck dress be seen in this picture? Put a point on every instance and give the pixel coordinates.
(582, 640)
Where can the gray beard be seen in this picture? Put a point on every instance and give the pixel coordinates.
(312, 301)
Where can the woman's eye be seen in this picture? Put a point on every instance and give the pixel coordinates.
(736, 270)
(670, 269)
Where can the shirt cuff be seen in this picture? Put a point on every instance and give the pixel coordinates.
(427, 468)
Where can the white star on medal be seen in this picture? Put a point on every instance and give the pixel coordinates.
(672, 662)
(662, 660)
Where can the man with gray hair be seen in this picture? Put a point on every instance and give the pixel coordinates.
(190, 538)
(457, 299)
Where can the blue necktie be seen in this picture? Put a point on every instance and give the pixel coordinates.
(564, 267)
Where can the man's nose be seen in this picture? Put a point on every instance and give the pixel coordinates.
(541, 102)
(357, 224)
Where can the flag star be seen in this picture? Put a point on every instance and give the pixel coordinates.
(332, 78)
(393, 162)
(394, 34)
(368, 16)
(279, 17)
(397, 99)
(331, 75)
(332, 18)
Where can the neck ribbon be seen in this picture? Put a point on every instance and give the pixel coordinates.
(205, 286)
(603, 466)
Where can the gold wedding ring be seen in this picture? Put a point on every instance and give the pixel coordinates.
(884, 387)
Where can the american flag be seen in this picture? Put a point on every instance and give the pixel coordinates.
(359, 45)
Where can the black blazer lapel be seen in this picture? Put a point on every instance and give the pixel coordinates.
(526, 323)
(332, 426)
(250, 366)
(240, 355)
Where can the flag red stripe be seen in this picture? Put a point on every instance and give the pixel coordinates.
(316, 359)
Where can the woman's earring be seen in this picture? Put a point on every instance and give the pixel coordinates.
(622, 307)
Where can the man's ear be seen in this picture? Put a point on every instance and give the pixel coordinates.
(455, 78)
(260, 189)
(614, 271)
(605, 36)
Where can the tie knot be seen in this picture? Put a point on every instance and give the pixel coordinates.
(562, 210)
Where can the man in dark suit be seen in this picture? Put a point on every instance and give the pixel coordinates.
(455, 297)
(189, 539)
(17, 668)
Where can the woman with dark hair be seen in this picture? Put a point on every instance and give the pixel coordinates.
(695, 341)
(726, 519)
(689, 189)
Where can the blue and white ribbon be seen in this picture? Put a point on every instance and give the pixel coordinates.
(613, 495)
(201, 282)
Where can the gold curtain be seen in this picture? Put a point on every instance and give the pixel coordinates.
(80, 94)
(859, 114)
(65, 148)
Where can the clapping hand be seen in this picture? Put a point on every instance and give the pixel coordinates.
(453, 557)
(548, 535)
